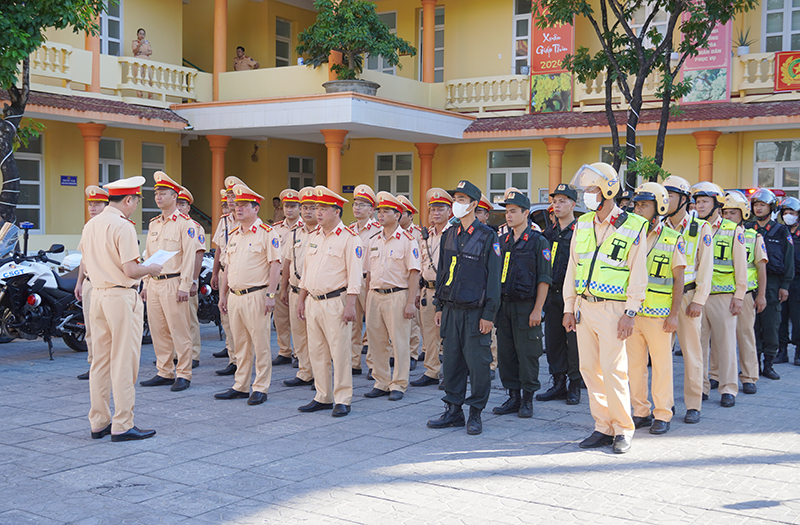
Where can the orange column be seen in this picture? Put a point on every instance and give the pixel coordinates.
(220, 43)
(93, 46)
(334, 140)
(428, 42)
(334, 58)
(92, 133)
(706, 144)
(425, 150)
(555, 152)
(218, 144)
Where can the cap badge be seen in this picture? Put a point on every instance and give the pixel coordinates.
(460, 184)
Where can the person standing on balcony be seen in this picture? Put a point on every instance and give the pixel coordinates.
(142, 50)
(243, 62)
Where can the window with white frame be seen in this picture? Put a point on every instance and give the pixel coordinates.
(110, 160)
(283, 42)
(301, 172)
(659, 22)
(394, 172)
(522, 36)
(781, 25)
(376, 62)
(508, 168)
(438, 46)
(30, 163)
(607, 156)
(153, 160)
(777, 165)
(111, 29)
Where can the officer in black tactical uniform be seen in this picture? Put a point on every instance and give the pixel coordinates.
(562, 346)
(790, 212)
(467, 299)
(780, 273)
(525, 279)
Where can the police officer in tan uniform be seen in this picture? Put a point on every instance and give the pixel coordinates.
(393, 283)
(96, 202)
(329, 286)
(185, 201)
(247, 293)
(407, 223)
(111, 255)
(293, 255)
(167, 295)
(439, 212)
(290, 200)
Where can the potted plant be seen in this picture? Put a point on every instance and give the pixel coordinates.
(742, 41)
(352, 28)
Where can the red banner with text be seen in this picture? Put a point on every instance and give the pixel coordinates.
(551, 83)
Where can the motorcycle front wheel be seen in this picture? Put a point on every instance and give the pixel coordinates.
(75, 342)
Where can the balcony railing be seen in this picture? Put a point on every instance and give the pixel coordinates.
(159, 81)
(489, 96)
(756, 74)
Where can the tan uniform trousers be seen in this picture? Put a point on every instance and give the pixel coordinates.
(689, 339)
(718, 337)
(649, 337)
(385, 320)
(493, 366)
(250, 329)
(226, 327)
(169, 328)
(431, 338)
(330, 339)
(86, 304)
(283, 329)
(116, 316)
(194, 327)
(746, 337)
(604, 367)
(416, 336)
(300, 338)
(359, 339)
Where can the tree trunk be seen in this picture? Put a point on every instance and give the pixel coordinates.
(662, 125)
(612, 122)
(630, 139)
(12, 120)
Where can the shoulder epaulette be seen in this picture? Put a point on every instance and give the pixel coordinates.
(266, 227)
(348, 228)
(235, 229)
(224, 215)
(154, 218)
(409, 235)
(185, 216)
(276, 224)
(353, 224)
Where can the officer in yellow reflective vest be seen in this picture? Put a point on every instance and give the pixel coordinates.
(737, 210)
(728, 288)
(603, 290)
(666, 263)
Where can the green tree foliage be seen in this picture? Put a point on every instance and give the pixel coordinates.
(352, 28)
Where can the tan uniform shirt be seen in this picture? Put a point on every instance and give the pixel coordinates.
(294, 251)
(703, 261)
(391, 259)
(333, 261)
(249, 254)
(761, 250)
(370, 228)
(678, 255)
(429, 261)
(175, 233)
(739, 258)
(284, 230)
(637, 263)
(143, 50)
(108, 241)
(243, 64)
(277, 215)
(226, 225)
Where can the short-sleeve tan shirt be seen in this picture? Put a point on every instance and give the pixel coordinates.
(333, 261)
(249, 255)
(108, 241)
(392, 259)
(176, 233)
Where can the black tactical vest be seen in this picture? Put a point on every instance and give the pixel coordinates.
(465, 269)
(519, 274)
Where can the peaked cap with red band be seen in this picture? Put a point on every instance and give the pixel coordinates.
(485, 203)
(95, 194)
(308, 195)
(438, 196)
(290, 196)
(387, 200)
(232, 181)
(129, 186)
(165, 181)
(223, 196)
(186, 195)
(244, 194)
(362, 191)
(407, 204)
(326, 196)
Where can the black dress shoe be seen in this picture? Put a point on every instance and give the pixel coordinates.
(340, 410)
(369, 374)
(364, 349)
(749, 388)
(413, 364)
(474, 424)
(297, 382)
(357, 372)
(424, 381)
(727, 400)
(705, 397)
(678, 352)
(195, 363)
(84, 376)
(421, 357)
(622, 444)
(315, 406)
(221, 353)
(376, 392)
(227, 371)
(453, 417)
(231, 394)
(692, 416)
(659, 427)
(714, 384)
(642, 422)
(180, 384)
(102, 433)
(157, 380)
(396, 395)
(281, 360)
(295, 363)
(256, 398)
(133, 435)
(597, 440)
(574, 393)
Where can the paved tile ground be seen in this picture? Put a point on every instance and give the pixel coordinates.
(226, 462)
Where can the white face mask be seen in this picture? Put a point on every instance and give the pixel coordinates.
(591, 202)
(460, 209)
(790, 219)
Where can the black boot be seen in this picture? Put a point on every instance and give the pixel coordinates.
(557, 391)
(474, 425)
(768, 371)
(453, 417)
(526, 407)
(574, 392)
(782, 357)
(511, 405)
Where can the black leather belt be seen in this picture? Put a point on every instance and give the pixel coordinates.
(593, 299)
(385, 291)
(134, 287)
(329, 295)
(248, 290)
(431, 285)
(689, 287)
(166, 276)
(295, 289)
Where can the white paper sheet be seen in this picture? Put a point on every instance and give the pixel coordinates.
(160, 257)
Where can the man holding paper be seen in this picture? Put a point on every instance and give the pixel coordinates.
(167, 294)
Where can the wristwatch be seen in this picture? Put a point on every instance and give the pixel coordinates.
(271, 295)
(630, 313)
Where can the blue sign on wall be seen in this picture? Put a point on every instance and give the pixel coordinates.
(348, 189)
(69, 180)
